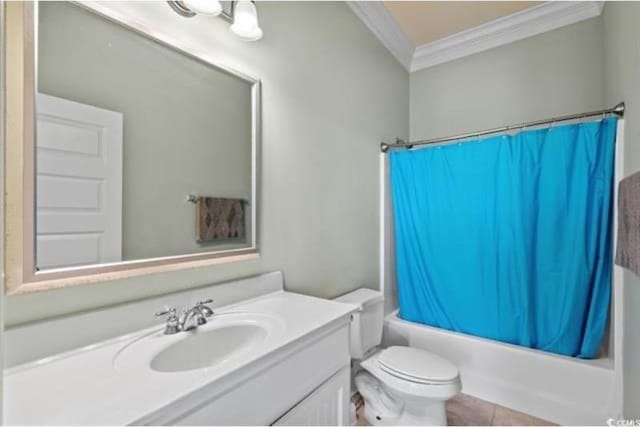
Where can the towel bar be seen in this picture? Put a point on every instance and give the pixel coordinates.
(194, 199)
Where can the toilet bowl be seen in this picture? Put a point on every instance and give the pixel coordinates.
(400, 385)
(407, 386)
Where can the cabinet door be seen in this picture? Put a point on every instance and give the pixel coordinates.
(328, 405)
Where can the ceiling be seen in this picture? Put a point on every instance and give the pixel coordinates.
(424, 22)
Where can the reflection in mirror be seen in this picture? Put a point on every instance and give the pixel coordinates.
(127, 129)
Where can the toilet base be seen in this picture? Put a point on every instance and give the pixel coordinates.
(435, 416)
(382, 407)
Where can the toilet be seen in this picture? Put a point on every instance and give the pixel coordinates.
(400, 385)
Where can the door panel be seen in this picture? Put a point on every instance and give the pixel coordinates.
(79, 184)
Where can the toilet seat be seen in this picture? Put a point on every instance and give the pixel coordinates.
(411, 386)
(418, 366)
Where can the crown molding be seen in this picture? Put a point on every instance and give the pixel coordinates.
(378, 19)
(508, 29)
(517, 26)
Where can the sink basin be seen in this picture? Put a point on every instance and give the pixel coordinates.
(205, 348)
(225, 338)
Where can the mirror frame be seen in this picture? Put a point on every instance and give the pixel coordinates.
(21, 276)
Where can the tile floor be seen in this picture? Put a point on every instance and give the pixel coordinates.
(465, 410)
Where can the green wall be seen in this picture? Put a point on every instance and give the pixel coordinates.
(554, 73)
(331, 93)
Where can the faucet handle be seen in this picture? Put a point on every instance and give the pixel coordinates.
(172, 326)
(204, 302)
(171, 311)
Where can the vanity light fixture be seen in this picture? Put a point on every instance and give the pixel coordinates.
(243, 16)
(245, 21)
(204, 7)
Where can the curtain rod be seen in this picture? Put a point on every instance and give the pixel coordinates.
(618, 110)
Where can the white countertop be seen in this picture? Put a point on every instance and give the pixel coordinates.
(83, 386)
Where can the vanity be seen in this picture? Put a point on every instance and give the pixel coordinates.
(272, 357)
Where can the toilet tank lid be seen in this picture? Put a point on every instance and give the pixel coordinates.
(361, 297)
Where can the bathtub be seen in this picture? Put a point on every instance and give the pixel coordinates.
(556, 388)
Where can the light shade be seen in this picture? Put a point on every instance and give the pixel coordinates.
(204, 7)
(245, 21)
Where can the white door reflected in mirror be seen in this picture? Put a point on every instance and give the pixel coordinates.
(78, 184)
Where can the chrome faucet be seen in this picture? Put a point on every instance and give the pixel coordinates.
(200, 312)
(176, 324)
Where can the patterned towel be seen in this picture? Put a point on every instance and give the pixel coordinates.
(219, 218)
(628, 247)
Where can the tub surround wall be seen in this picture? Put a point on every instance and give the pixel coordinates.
(622, 68)
(387, 259)
(326, 106)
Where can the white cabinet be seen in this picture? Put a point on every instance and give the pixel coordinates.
(309, 381)
(328, 405)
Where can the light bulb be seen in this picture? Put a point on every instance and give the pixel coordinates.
(204, 7)
(245, 21)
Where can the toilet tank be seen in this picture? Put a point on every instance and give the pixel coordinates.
(367, 322)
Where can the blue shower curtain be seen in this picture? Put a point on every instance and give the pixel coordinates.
(509, 237)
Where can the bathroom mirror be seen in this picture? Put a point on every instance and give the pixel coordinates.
(143, 154)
